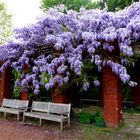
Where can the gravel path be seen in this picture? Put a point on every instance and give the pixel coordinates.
(12, 130)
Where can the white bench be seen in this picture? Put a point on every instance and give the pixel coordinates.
(50, 111)
(13, 106)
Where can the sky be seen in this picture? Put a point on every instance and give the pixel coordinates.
(23, 11)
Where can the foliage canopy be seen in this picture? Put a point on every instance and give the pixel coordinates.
(111, 5)
(5, 23)
(61, 42)
(70, 4)
(115, 5)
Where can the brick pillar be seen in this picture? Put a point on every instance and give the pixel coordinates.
(112, 98)
(5, 84)
(24, 95)
(59, 96)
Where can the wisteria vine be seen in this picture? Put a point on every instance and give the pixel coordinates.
(55, 46)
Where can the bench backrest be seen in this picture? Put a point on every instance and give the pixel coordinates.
(8, 102)
(22, 103)
(54, 108)
(58, 108)
(14, 103)
(40, 106)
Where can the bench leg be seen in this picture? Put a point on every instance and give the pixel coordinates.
(69, 122)
(23, 119)
(4, 114)
(40, 121)
(61, 126)
(18, 117)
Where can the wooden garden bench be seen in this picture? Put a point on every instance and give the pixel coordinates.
(13, 106)
(50, 111)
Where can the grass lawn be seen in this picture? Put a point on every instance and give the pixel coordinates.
(95, 133)
(91, 132)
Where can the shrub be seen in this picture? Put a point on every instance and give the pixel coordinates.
(85, 118)
(96, 118)
(99, 120)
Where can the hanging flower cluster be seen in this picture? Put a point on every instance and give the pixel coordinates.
(60, 40)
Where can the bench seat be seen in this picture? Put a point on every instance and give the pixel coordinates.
(45, 116)
(9, 110)
(34, 114)
(55, 118)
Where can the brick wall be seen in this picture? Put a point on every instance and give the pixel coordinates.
(112, 98)
(5, 84)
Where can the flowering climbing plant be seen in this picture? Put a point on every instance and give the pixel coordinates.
(57, 45)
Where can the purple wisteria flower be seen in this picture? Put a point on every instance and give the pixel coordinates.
(96, 83)
(86, 86)
(24, 83)
(36, 91)
(35, 70)
(17, 82)
(132, 84)
(59, 42)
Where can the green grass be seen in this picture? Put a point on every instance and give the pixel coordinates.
(91, 132)
(95, 133)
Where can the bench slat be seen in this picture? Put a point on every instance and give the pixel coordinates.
(58, 108)
(14, 103)
(40, 106)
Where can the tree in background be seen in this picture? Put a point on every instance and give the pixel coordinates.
(5, 23)
(111, 5)
(115, 5)
(70, 4)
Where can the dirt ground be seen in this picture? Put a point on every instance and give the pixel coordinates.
(12, 130)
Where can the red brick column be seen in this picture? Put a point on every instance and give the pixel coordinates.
(59, 96)
(112, 98)
(5, 84)
(24, 95)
